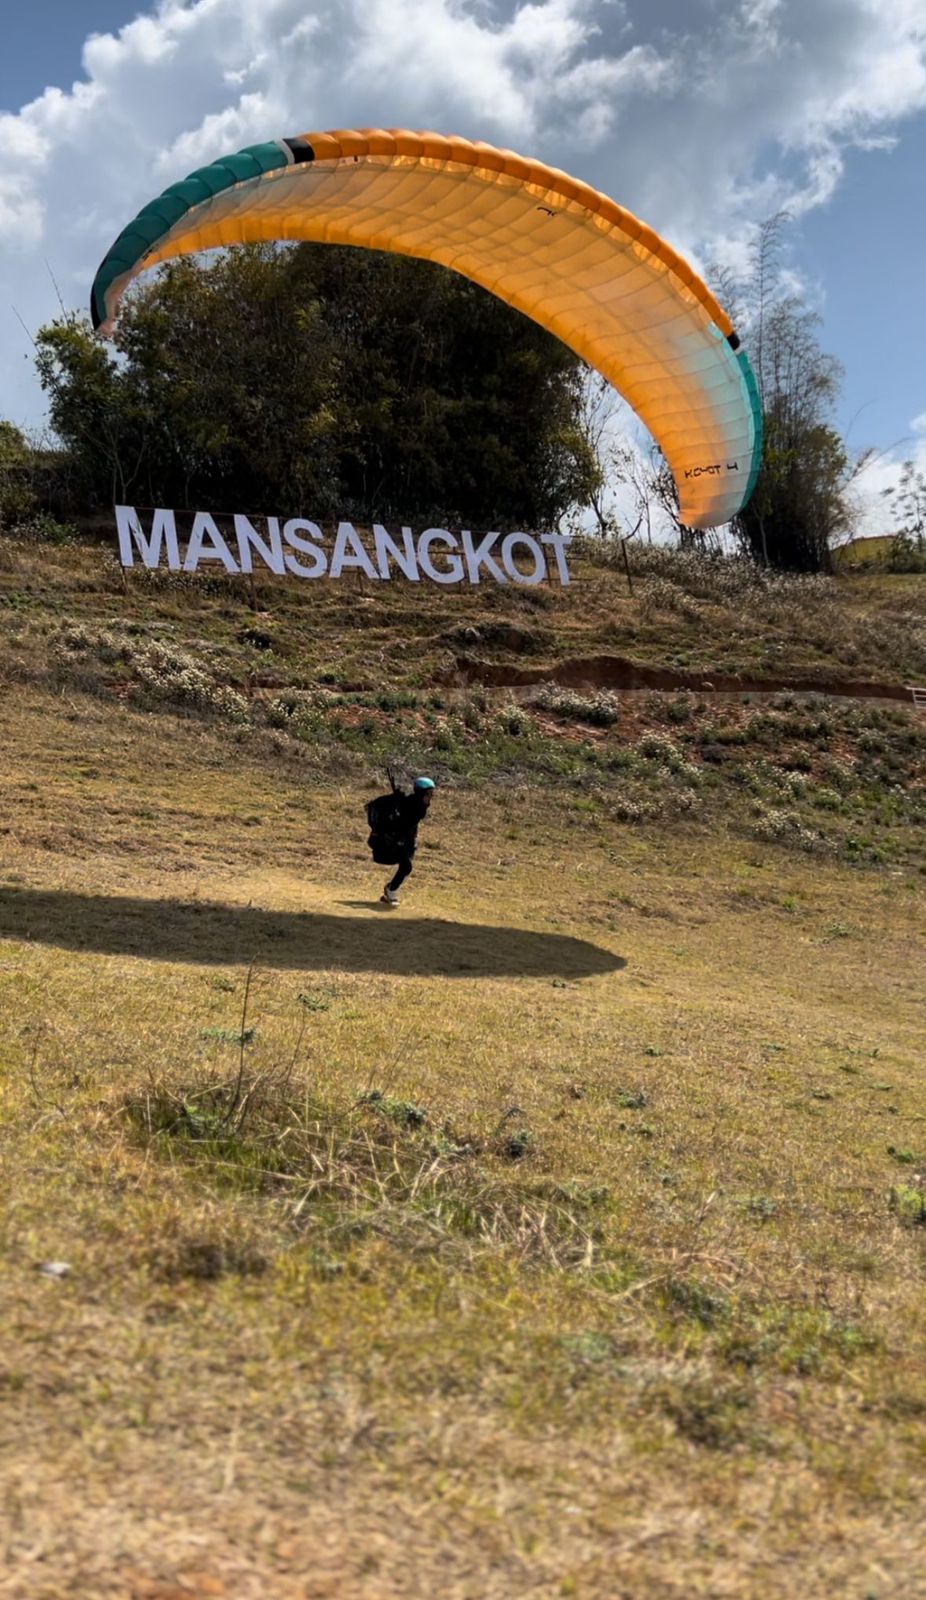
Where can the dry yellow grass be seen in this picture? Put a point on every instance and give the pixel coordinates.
(675, 1349)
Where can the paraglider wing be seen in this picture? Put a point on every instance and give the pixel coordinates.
(553, 247)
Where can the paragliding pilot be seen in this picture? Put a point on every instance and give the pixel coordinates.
(394, 819)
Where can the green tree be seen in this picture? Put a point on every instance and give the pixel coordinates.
(213, 392)
(17, 497)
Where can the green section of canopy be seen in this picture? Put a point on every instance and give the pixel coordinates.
(755, 400)
(160, 215)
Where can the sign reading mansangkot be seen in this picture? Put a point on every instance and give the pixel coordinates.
(299, 547)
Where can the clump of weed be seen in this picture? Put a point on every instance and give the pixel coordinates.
(717, 1414)
(170, 676)
(908, 1203)
(581, 1196)
(314, 1002)
(404, 1113)
(627, 808)
(377, 1169)
(40, 527)
(238, 1036)
(506, 636)
(825, 799)
(77, 640)
(699, 1302)
(515, 1146)
(204, 1256)
(775, 825)
(290, 708)
(663, 755)
(257, 638)
(656, 747)
(903, 1157)
(806, 1340)
(661, 594)
(679, 708)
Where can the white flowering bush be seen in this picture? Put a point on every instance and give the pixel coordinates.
(169, 675)
(656, 747)
(779, 826)
(827, 799)
(76, 641)
(288, 709)
(662, 594)
(161, 673)
(839, 774)
(626, 807)
(602, 709)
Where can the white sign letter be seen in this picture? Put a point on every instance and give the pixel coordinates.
(163, 530)
(348, 538)
(216, 550)
(249, 538)
(319, 559)
(511, 566)
(453, 571)
(479, 557)
(387, 549)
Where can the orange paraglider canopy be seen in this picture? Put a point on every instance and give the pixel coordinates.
(567, 256)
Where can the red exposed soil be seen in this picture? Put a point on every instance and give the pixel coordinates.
(616, 672)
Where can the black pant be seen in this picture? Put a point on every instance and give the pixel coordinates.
(402, 872)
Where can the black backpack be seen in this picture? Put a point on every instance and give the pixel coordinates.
(384, 814)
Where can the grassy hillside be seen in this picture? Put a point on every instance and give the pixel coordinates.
(338, 679)
(685, 613)
(561, 1234)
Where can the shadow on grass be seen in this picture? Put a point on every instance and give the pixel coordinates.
(205, 932)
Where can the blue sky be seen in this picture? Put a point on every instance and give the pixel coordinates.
(866, 249)
(702, 115)
(42, 43)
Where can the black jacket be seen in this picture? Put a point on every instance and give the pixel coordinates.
(409, 812)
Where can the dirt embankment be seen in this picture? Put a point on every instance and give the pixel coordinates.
(616, 672)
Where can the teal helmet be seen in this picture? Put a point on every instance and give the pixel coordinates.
(422, 785)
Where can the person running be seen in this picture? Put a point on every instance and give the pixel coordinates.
(394, 820)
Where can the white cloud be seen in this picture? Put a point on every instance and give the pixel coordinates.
(701, 115)
(243, 123)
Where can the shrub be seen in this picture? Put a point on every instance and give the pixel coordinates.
(602, 709)
(826, 799)
(161, 673)
(908, 1204)
(168, 675)
(661, 594)
(656, 747)
(788, 828)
